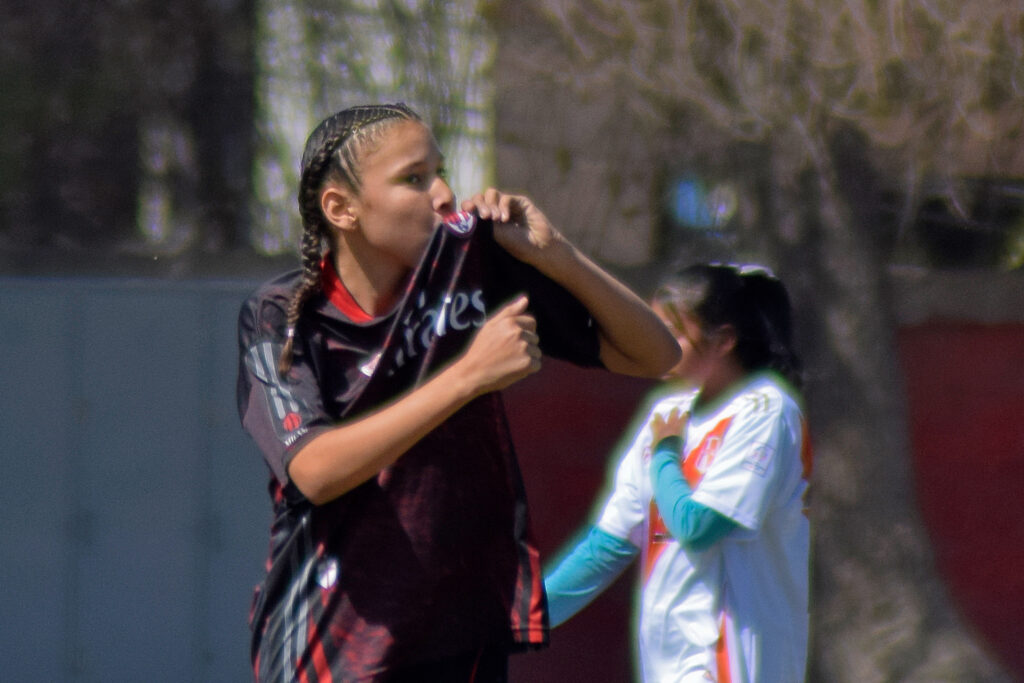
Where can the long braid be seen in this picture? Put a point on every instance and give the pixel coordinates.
(333, 148)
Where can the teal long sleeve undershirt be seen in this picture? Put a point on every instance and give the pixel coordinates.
(696, 526)
(600, 557)
(584, 573)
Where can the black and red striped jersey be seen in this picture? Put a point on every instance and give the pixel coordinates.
(433, 556)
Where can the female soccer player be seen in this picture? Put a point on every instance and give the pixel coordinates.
(711, 494)
(400, 544)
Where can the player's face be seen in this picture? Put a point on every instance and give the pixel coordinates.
(404, 195)
(697, 361)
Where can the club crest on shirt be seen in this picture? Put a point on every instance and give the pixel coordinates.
(460, 223)
(327, 573)
(759, 459)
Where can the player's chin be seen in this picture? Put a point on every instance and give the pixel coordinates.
(418, 246)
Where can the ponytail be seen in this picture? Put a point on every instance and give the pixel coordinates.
(751, 300)
(773, 333)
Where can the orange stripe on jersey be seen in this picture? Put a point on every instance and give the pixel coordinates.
(693, 466)
(700, 458)
(657, 538)
(722, 656)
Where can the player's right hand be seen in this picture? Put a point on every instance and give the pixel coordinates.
(503, 351)
(673, 424)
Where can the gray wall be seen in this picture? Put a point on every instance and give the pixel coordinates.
(135, 511)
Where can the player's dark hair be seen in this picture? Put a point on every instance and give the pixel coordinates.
(750, 299)
(333, 151)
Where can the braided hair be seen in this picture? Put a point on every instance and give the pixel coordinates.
(751, 300)
(333, 152)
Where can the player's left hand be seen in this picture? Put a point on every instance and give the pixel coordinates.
(519, 226)
(673, 424)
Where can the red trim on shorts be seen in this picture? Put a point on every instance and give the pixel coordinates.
(339, 295)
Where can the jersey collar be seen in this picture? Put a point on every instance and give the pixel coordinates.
(338, 294)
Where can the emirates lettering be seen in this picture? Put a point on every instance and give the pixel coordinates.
(422, 326)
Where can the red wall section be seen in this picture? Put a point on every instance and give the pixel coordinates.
(965, 388)
(566, 423)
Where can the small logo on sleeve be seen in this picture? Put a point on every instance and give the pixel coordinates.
(759, 460)
(291, 421)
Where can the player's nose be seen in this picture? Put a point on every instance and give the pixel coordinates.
(443, 197)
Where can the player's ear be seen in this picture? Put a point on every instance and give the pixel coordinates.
(725, 340)
(340, 207)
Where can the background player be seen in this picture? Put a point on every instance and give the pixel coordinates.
(711, 492)
(400, 544)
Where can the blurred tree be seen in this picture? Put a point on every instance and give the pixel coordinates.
(316, 57)
(836, 120)
(174, 129)
(127, 126)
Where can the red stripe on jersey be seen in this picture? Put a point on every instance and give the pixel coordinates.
(323, 669)
(534, 626)
(319, 660)
(339, 295)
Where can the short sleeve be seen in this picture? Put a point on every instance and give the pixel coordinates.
(280, 413)
(759, 450)
(564, 325)
(625, 511)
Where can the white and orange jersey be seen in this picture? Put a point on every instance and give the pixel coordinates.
(736, 612)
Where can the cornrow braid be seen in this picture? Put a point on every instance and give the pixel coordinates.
(333, 148)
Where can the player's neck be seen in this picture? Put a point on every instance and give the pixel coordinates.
(720, 382)
(376, 286)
